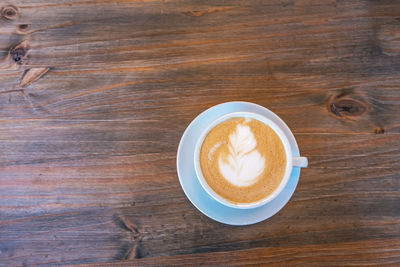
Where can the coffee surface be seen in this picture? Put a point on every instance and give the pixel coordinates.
(243, 160)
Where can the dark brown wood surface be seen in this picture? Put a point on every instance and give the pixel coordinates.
(95, 95)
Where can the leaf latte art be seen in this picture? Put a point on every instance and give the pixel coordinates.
(244, 163)
(242, 160)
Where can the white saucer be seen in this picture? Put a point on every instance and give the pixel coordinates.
(195, 192)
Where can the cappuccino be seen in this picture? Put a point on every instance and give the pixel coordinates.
(243, 160)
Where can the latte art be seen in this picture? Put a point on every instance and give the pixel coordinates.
(244, 163)
(243, 160)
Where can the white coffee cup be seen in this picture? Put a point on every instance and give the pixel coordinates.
(291, 161)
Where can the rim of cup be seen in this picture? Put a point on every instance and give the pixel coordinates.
(277, 130)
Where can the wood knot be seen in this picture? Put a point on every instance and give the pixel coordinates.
(19, 52)
(23, 27)
(127, 224)
(346, 107)
(379, 130)
(9, 12)
(134, 249)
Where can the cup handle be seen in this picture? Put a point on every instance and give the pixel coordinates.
(301, 162)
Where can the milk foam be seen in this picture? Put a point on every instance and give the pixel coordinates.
(244, 163)
(213, 149)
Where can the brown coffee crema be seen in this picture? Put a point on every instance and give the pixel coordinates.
(243, 160)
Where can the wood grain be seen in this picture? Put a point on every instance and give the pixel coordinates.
(88, 150)
(376, 252)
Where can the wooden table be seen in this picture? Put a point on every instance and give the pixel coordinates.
(95, 96)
